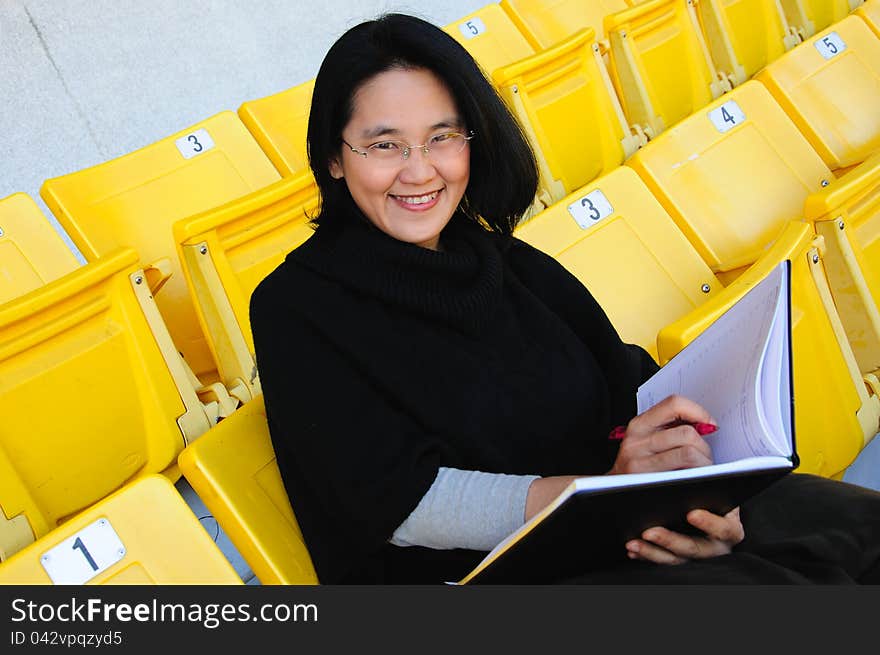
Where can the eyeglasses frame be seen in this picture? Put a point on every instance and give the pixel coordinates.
(408, 147)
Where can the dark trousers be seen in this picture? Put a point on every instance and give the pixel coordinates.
(803, 529)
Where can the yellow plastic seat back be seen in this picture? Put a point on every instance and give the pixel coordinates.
(88, 392)
(847, 215)
(279, 123)
(732, 175)
(811, 16)
(233, 470)
(32, 252)
(745, 35)
(618, 240)
(144, 533)
(546, 22)
(835, 414)
(563, 98)
(660, 63)
(228, 250)
(491, 37)
(830, 86)
(133, 201)
(870, 13)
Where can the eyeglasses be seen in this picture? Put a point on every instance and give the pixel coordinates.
(439, 147)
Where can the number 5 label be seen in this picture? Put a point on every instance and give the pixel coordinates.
(590, 209)
(473, 27)
(81, 557)
(830, 46)
(195, 143)
(727, 116)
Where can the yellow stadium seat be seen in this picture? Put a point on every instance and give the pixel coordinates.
(614, 236)
(491, 37)
(228, 250)
(92, 394)
(745, 35)
(830, 87)
(870, 13)
(620, 242)
(144, 533)
(810, 16)
(233, 470)
(546, 22)
(32, 252)
(133, 201)
(568, 108)
(660, 63)
(732, 175)
(279, 124)
(847, 214)
(836, 413)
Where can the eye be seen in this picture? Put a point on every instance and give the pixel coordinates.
(446, 136)
(385, 146)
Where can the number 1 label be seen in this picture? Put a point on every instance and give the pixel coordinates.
(81, 557)
(830, 46)
(194, 144)
(727, 116)
(473, 27)
(590, 209)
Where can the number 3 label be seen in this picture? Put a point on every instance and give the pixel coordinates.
(81, 557)
(195, 143)
(473, 27)
(590, 209)
(830, 46)
(727, 116)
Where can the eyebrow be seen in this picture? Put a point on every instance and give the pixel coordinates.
(384, 130)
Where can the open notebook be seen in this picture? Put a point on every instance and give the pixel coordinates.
(740, 370)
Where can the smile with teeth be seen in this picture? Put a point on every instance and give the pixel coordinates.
(417, 200)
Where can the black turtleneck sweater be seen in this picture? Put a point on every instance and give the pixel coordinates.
(382, 361)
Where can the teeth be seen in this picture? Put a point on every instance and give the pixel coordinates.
(417, 200)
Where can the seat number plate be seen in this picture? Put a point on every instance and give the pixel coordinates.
(830, 45)
(727, 116)
(194, 144)
(590, 209)
(81, 557)
(473, 27)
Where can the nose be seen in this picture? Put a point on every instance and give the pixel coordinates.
(417, 168)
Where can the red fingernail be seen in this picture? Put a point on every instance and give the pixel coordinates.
(617, 433)
(705, 428)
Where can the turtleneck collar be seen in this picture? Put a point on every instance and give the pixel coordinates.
(461, 284)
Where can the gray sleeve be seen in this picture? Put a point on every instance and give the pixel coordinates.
(466, 509)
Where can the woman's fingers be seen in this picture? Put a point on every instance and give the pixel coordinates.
(663, 546)
(645, 550)
(671, 449)
(727, 528)
(670, 410)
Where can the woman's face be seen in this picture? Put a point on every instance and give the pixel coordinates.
(410, 199)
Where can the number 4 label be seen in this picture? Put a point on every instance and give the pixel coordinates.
(727, 116)
(473, 27)
(590, 209)
(81, 557)
(195, 143)
(830, 46)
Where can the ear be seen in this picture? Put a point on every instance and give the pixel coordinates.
(335, 167)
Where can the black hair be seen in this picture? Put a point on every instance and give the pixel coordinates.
(503, 172)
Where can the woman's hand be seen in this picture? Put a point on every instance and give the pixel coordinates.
(663, 546)
(664, 439)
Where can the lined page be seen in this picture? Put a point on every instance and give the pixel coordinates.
(720, 371)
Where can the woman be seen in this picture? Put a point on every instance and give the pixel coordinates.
(430, 381)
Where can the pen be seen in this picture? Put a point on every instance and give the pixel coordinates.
(702, 429)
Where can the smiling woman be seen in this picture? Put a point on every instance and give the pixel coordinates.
(410, 198)
(431, 382)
